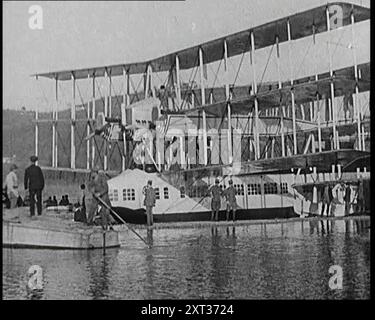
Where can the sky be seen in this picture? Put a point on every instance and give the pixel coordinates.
(87, 34)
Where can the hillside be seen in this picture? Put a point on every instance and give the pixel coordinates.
(19, 135)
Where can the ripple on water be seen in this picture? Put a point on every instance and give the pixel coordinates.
(249, 262)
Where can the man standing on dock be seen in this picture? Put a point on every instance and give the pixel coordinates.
(98, 188)
(230, 196)
(150, 198)
(347, 199)
(34, 181)
(11, 184)
(216, 193)
(327, 199)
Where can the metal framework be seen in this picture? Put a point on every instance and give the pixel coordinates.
(228, 100)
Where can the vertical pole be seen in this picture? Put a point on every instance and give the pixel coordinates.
(36, 131)
(203, 98)
(255, 90)
(88, 132)
(292, 90)
(363, 138)
(105, 115)
(319, 124)
(93, 119)
(178, 86)
(72, 127)
(110, 96)
(54, 132)
(281, 107)
(230, 149)
(109, 143)
(123, 114)
(147, 84)
(356, 107)
(152, 89)
(333, 105)
(312, 143)
(317, 94)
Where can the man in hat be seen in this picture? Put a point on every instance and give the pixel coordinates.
(216, 193)
(97, 188)
(230, 196)
(11, 185)
(34, 181)
(150, 199)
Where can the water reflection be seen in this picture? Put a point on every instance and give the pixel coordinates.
(150, 239)
(35, 294)
(98, 272)
(264, 261)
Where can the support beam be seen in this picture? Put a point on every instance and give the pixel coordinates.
(363, 138)
(72, 127)
(36, 131)
(178, 84)
(123, 113)
(54, 129)
(203, 99)
(106, 115)
(110, 96)
(317, 111)
(356, 107)
(333, 104)
(152, 89)
(313, 149)
(255, 91)
(227, 97)
(148, 84)
(93, 119)
(295, 151)
(319, 124)
(88, 132)
(281, 107)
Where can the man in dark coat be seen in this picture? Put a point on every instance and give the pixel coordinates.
(347, 199)
(216, 194)
(150, 199)
(230, 196)
(34, 181)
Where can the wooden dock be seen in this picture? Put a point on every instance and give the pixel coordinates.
(53, 230)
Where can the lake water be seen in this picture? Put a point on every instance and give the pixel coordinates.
(273, 261)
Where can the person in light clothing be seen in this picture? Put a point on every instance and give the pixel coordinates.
(11, 184)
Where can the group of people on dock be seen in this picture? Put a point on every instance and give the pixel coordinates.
(33, 182)
(230, 197)
(328, 199)
(96, 202)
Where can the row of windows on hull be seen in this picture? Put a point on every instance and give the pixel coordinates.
(201, 191)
